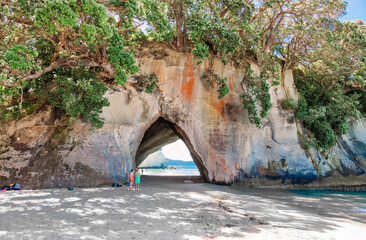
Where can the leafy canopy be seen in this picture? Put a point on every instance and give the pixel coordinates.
(55, 37)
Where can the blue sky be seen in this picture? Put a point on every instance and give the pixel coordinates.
(356, 9)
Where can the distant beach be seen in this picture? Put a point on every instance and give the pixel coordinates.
(173, 168)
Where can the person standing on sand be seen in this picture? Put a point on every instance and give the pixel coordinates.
(132, 179)
(137, 183)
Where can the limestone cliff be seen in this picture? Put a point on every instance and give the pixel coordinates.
(38, 151)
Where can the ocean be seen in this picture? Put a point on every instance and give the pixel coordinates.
(337, 196)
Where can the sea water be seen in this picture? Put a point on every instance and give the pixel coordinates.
(188, 169)
(358, 197)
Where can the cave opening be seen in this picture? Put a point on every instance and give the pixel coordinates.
(163, 133)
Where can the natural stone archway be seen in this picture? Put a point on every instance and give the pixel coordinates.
(161, 133)
(156, 136)
(36, 152)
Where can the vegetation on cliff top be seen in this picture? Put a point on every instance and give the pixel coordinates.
(63, 52)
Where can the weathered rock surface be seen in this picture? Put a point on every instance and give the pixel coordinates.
(38, 152)
(348, 157)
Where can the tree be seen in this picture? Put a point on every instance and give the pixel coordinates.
(45, 36)
(45, 41)
(332, 81)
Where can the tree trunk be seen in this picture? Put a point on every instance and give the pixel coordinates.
(179, 24)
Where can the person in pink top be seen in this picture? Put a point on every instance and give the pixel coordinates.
(132, 179)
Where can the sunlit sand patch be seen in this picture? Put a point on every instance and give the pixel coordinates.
(98, 211)
(90, 237)
(21, 202)
(100, 222)
(122, 211)
(306, 199)
(11, 209)
(199, 196)
(166, 211)
(153, 215)
(90, 190)
(143, 196)
(71, 199)
(102, 200)
(74, 210)
(25, 193)
(119, 200)
(183, 224)
(34, 208)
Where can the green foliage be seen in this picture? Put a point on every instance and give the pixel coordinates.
(325, 109)
(45, 50)
(151, 80)
(122, 60)
(156, 16)
(200, 52)
(276, 83)
(21, 57)
(44, 44)
(256, 98)
(307, 141)
(362, 100)
(212, 35)
(53, 14)
(43, 40)
(331, 85)
(287, 103)
(76, 91)
(10, 98)
(213, 78)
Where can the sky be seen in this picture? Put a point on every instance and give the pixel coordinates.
(356, 9)
(177, 151)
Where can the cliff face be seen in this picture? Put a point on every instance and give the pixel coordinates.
(36, 151)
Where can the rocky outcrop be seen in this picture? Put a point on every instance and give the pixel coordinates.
(34, 150)
(348, 157)
(154, 160)
(224, 145)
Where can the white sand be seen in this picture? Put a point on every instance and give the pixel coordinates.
(169, 209)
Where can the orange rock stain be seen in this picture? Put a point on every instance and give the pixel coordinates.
(230, 84)
(219, 107)
(161, 75)
(187, 88)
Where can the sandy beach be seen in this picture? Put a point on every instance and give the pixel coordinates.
(168, 208)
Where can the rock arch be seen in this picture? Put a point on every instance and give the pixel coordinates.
(161, 133)
(223, 144)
